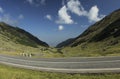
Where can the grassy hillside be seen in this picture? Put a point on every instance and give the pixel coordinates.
(65, 43)
(100, 39)
(16, 41)
(8, 72)
(92, 49)
(19, 36)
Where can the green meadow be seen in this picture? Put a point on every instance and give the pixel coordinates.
(8, 72)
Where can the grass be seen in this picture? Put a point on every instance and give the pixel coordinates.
(94, 49)
(103, 48)
(11, 48)
(8, 72)
(14, 41)
(83, 50)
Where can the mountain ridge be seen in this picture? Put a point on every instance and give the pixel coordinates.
(100, 39)
(20, 36)
(91, 33)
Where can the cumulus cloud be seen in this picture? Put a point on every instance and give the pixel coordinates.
(1, 10)
(60, 27)
(21, 16)
(75, 7)
(64, 17)
(49, 17)
(93, 14)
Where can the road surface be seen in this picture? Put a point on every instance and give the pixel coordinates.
(66, 65)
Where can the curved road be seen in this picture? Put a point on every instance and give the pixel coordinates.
(66, 65)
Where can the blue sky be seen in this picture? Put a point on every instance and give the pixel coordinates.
(54, 21)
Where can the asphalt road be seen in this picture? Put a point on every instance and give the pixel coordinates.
(66, 65)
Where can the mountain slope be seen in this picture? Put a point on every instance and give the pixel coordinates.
(16, 41)
(109, 24)
(20, 36)
(103, 37)
(107, 27)
(65, 43)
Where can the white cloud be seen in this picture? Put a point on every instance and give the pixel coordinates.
(93, 14)
(83, 26)
(43, 2)
(60, 27)
(64, 17)
(20, 16)
(49, 17)
(75, 7)
(30, 1)
(63, 2)
(1, 10)
(36, 2)
(8, 19)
